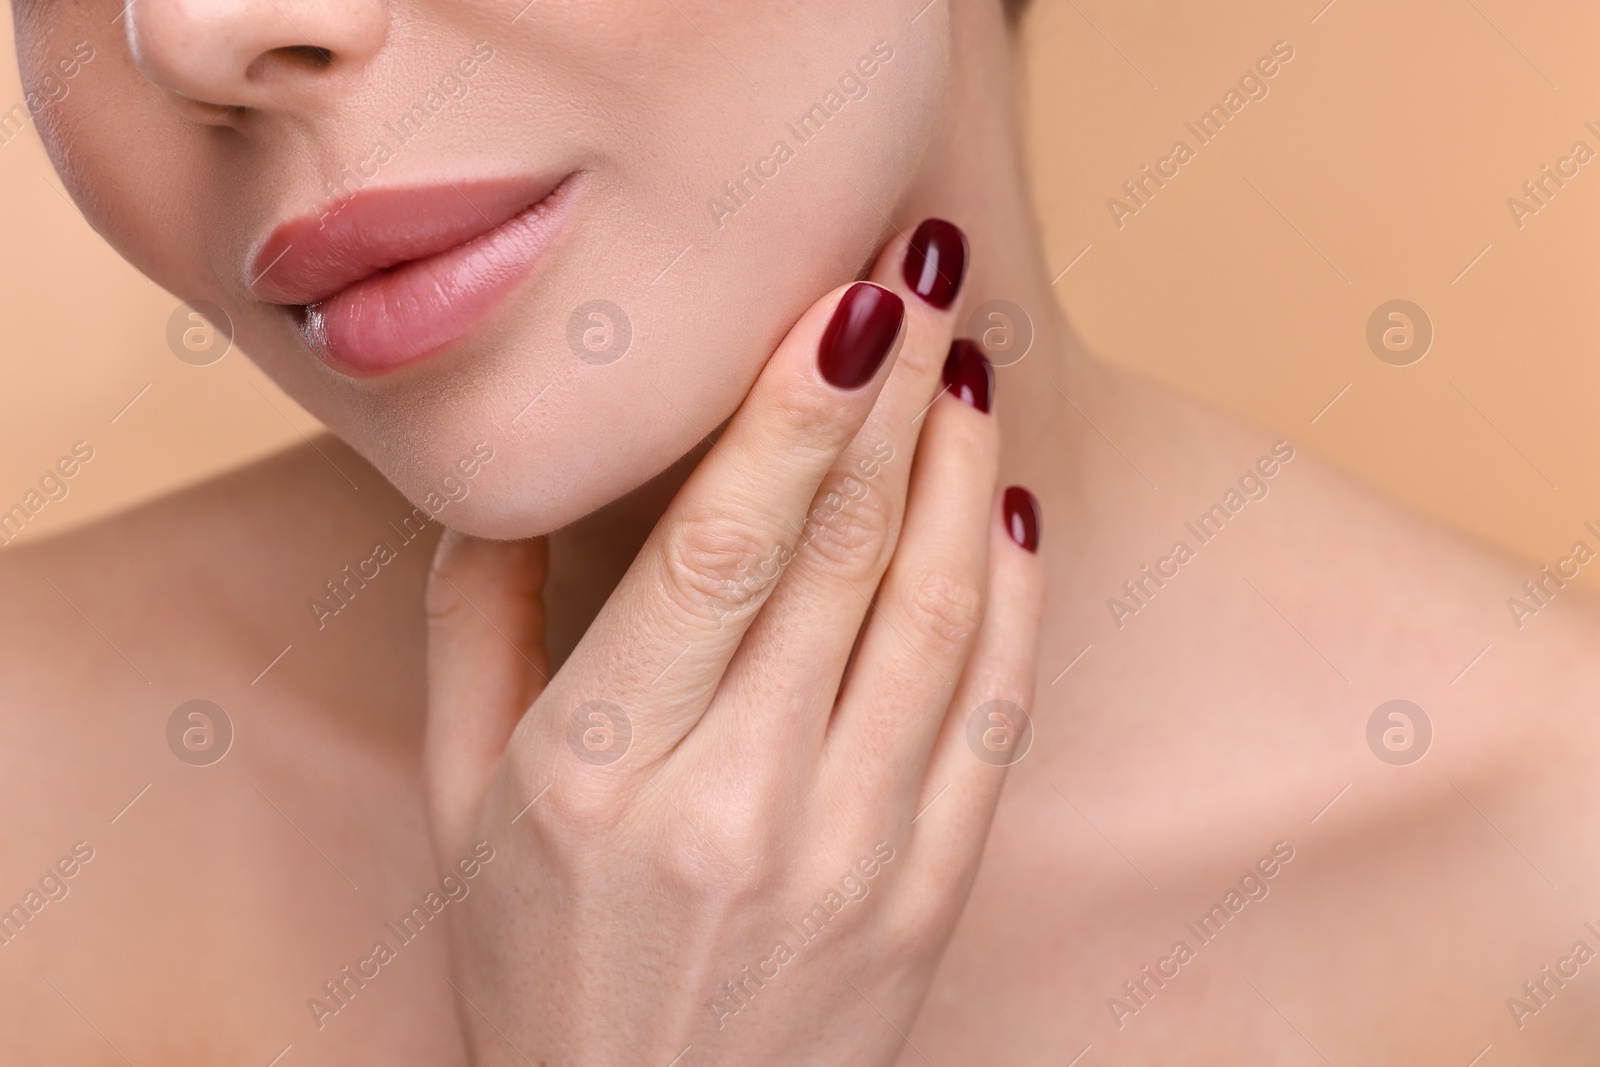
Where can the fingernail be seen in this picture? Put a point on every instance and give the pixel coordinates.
(860, 335)
(968, 374)
(1023, 519)
(936, 262)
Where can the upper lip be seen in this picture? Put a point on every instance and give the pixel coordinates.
(307, 259)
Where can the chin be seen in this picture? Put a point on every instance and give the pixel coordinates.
(510, 488)
(506, 516)
(511, 505)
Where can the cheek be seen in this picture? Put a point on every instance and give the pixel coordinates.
(135, 169)
(775, 207)
(705, 303)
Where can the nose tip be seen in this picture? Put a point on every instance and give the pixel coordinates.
(228, 54)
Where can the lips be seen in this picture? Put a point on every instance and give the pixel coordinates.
(395, 275)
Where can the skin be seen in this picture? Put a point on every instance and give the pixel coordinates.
(1218, 721)
(566, 92)
(697, 851)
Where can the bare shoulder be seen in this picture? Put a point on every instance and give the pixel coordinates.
(210, 707)
(205, 594)
(205, 580)
(1315, 635)
(1245, 651)
(1374, 592)
(296, 579)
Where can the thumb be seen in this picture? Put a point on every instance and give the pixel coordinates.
(486, 665)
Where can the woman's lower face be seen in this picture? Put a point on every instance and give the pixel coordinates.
(566, 233)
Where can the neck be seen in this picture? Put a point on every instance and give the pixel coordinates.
(975, 176)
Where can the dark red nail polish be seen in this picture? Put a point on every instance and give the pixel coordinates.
(968, 374)
(936, 262)
(860, 335)
(1023, 519)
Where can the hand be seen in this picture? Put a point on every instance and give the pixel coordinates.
(728, 831)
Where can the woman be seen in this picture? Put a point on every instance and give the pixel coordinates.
(696, 757)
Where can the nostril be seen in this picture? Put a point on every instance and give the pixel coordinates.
(307, 57)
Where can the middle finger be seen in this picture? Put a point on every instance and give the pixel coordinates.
(810, 622)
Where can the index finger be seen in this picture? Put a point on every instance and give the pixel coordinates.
(685, 603)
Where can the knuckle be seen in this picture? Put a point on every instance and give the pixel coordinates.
(570, 803)
(922, 353)
(849, 526)
(808, 424)
(578, 807)
(791, 428)
(717, 564)
(719, 859)
(575, 803)
(944, 610)
(442, 600)
(468, 572)
(708, 866)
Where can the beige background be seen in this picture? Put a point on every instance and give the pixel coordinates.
(1378, 167)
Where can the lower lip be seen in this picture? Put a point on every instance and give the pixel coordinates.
(404, 314)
